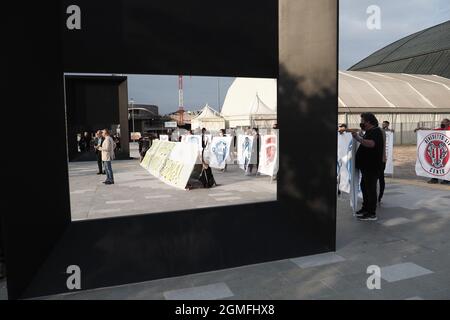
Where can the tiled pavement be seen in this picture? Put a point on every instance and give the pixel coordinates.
(137, 192)
(410, 243)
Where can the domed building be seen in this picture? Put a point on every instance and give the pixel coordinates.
(424, 52)
(251, 102)
(406, 83)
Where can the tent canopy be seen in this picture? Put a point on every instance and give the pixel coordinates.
(251, 102)
(240, 98)
(376, 92)
(209, 119)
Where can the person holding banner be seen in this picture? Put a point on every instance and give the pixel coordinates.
(445, 126)
(250, 167)
(369, 160)
(385, 128)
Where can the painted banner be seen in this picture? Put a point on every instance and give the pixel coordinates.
(193, 139)
(150, 153)
(268, 159)
(160, 156)
(178, 167)
(219, 152)
(344, 162)
(246, 151)
(389, 153)
(433, 154)
(349, 177)
(171, 162)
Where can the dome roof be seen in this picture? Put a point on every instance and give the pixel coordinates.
(240, 98)
(424, 52)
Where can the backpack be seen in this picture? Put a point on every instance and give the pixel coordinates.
(207, 178)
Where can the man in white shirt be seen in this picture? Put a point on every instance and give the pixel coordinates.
(107, 149)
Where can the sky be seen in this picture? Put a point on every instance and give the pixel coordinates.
(163, 91)
(399, 18)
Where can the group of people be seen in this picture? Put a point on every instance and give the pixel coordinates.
(371, 160)
(86, 143)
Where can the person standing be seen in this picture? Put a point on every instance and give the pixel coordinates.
(255, 134)
(369, 160)
(98, 141)
(107, 150)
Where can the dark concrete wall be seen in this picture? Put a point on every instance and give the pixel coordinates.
(95, 103)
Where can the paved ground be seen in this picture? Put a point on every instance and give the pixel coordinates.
(138, 192)
(410, 242)
(404, 167)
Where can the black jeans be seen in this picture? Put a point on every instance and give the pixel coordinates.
(99, 162)
(369, 189)
(382, 182)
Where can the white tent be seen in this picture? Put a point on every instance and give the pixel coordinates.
(251, 102)
(209, 119)
(405, 100)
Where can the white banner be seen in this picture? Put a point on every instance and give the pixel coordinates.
(344, 161)
(179, 166)
(433, 154)
(193, 139)
(246, 151)
(163, 137)
(171, 162)
(219, 152)
(349, 177)
(389, 153)
(268, 159)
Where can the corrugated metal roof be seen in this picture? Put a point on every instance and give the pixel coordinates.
(361, 91)
(425, 52)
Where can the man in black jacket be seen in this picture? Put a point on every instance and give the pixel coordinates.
(97, 144)
(369, 159)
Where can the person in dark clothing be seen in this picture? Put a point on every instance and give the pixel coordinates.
(85, 143)
(369, 160)
(98, 141)
(205, 140)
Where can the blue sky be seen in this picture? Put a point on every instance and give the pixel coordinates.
(399, 18)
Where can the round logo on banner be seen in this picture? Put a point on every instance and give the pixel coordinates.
(434, 154)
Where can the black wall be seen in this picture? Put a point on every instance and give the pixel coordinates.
(93, 103)
(221, 38)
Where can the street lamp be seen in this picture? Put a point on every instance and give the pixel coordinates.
(132, 116)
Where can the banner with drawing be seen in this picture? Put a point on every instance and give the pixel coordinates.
(433, 154)
(159, 157)
(246, 151)
(171, 162)
(178, 167)
(150, 153)
(268, 159)
(219, 152)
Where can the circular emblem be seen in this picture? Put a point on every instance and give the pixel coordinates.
(434, 154)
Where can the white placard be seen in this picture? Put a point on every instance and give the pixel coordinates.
(219, 152)
(433, 154)
(268, 159)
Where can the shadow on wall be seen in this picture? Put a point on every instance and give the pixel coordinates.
(308, 125)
